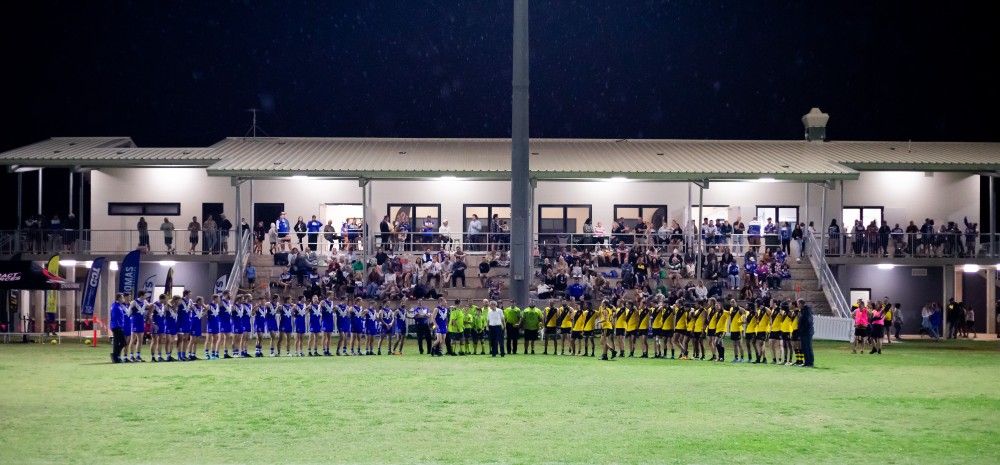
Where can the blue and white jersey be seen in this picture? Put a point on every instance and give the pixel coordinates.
(300, 309)
(213, 310)
(441, 319)
(197, 312)
(227, 307)
(420, 314)
(137, 307)
(326, 305)
(159, 310)
(315, 311)
(286, 310)
(264, 310)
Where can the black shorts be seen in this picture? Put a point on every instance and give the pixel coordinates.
(193, 239)
(878, 331)
(531, 335)
(711, 333)
(680, 332)
(565, 330)
(667, 333)
(619, 331)
(860, 331)
(795, 335)
(775, 335)
(577, 335)
(734, 336)
(761, 336)
(589, 334)
(552, 332)
(477, 336)
(631, 333)
(609, 332)
(282, 235)
(168, 241)
(467, 334)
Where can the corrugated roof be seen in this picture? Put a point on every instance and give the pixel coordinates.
(550, 159)
(490, 158)
(103, 152)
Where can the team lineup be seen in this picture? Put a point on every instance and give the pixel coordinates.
(232, 325)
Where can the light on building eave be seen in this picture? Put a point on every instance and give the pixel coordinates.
(885, 266)
(971, 268)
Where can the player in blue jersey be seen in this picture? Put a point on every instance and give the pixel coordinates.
(386, 328)
(137, 313)
(440, 326)
(236, 318)
(247, 321)
(271, 320)
(183, 325)
(357, 326)
(126, 329)
(326, 321)
(299, 314)
(196, 312)
(372, 326)
(285, 326)
(343, 328)
(315, 326)
(260, 326)
(170, 327)
(212, 328)
(399, 331)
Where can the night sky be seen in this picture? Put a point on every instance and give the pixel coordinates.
(184, 73)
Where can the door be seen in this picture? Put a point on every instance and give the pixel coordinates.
(267, 212)
(212, 209)
(864, 294)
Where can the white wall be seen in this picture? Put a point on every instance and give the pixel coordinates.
(905, 195)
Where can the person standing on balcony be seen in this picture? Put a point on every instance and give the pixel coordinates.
(210, 231)
(785, 234)
(143, 228)
(753, 233)
(385, 231)
(259, 234)
(168, 235)
(300, 231)
(330, 234)
(225, 226)
(312, 228)
(283, 228)
(193, 229)
(475, 232)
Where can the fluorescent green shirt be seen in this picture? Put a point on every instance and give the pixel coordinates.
(479, 321)
(512, 315)
(456, 321)
(531, 318)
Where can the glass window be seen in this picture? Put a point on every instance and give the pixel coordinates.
(655, 215)
(865, 214)
(778, 213)
(485, 213)
(712, 212)
(138, 209)
(561, 219)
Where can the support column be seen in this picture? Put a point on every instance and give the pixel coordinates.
(70, 193)
(807, 210)
(993, 220)
(80, 212)
(698, 232)
(39, 191)
(67, 302)
(991, 300)
(821, 229)
(238, 220)
(520, 244)
(363, 184)
(20, 219)
(947, 292)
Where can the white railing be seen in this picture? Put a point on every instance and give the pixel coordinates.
(244, 243)
(832, 328)
(827, 282)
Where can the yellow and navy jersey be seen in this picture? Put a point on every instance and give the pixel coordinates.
(764, 322)
(644, 318)
(551, 317)
(682, 320)
(699, 321)
(657, 318)
(738, 316)
(714, 321)
(606, 318)
(591, 320)
(567, 318)
(795, 322)
(752, 324)
(581, 319)
(633, 319)
(776, 321)
(620, 317)
(722, 321)
(669, 314)
(888, 314)
(690, 321)
(786, 323)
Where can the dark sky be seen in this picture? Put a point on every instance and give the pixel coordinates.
(183, 73)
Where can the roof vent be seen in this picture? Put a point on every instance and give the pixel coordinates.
(815, 124)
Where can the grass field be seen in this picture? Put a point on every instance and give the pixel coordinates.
(917, 403)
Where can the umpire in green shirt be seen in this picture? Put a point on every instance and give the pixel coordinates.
(512, 320)
(531, 321)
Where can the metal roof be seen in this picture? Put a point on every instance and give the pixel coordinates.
(652, 159)
(550, 159)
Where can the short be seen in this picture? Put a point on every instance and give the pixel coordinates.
(357, 326)
(237, 326)
(590, 334)
(193, 239)
(477, 335)
(225, 325)
(565, 330)
(531, 335)
(467, 334)
(750, 336)
(270, 324)
(795, 335)
(327, 323)
(667, 333)
(860, 331)
(608, 332)
(213, 326)
(878, 331)
(285, 326)
(577, 335)
(734, 336)
(158, 326)
(775, 335)
(282, 235)
(194, 328)
(551, 331)
(183, 325)
(170, 327)
(681, 332)
(300, 325)
(619, 331)
(259, 324)
(168, 241)
(315, 326)
(441, 330)
(711, 333)
(631, 333)
(761, 336)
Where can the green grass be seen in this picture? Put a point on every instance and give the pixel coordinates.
(917, 403)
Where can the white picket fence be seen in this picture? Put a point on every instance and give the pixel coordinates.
(832, 328)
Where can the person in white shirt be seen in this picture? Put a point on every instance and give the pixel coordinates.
(494, 322)
(444, 234)
(475, 231)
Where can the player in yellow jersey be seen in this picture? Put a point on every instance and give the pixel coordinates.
(566, 325)
(667, 330)
(796, 345)
(721, 324)
(680, 331)
(786, 335)
(750, 333)
(632, 326)
(763, 323)
(588, 330)
(576, 334)
(621, 321)
(551, 328)
(696, 321)
(736, 319)
(774, 335)
(656, 327)
(643, 330)
(606, 323)
(713, 320)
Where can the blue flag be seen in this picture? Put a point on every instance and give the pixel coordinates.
(128, 274)
(148, 286)
(220, 284)
(93, 282)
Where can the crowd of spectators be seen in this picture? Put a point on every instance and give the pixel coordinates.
(927, 240)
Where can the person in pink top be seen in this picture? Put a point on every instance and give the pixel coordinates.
(877, 321)
(860, 326)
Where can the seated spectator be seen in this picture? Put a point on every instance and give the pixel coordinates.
(576, 290)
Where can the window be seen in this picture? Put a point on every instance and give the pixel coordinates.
(140, 209)
(712, 212)
(778, 213)
(562, 219)
(655, 215)
(863, 213)
(415, 214)
(485, 213)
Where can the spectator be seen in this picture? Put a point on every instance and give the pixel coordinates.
(225, 226)
(251, 273)
(313, 228)
(926, 325)
(259, 235)
(168, 235)
(444, 234)
(458, 272)
(300, 231)
(484, 271)
(385, 232)
(833, 238)
(475, 232)
(210, 231)
(330, 235)
(193, 229)
(143, 229)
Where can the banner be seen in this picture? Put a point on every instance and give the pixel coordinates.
(52, 297)
(93, 283)
(128, 274)
(220, 284)
(148, 286)
(168, 284)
